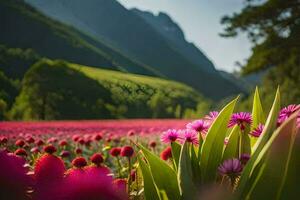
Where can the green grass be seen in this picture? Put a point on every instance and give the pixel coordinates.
(61, 90)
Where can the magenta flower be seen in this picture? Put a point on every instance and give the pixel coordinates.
(190, 136)
(286, 112)
(211, 116)
(14, 181)
(198, 125)
(241, 119)
(90, 185)
(244, 158)
(257, 132)
(230, 167)
(169, 136)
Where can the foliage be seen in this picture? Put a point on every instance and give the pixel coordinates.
(60, 90)
(267, 174)
(274, 28)
(52, 39)
(175, 60)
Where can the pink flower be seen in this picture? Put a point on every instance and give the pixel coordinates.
(198, 125)
(48, 169)
(286, 112)
(190, 136)
(241, 119)
(91, 185)
(257, 132)
(211, 116)
(231, 167)
(169, 136)
(48, 172)
(14, 181)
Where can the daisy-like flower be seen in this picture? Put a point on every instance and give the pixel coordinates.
(211, 116)
(199, 125)
(257, 132)
(286, 112)
(190, 136)
(241, 119)
(231, 167)
(169, 136)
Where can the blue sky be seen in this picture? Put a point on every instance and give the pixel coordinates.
(200, 20)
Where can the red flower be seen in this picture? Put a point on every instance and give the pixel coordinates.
(97, 159)
(133, 174)
(50, 149)
(152, 144)
(48, 173)
(81, 141)
(3, 140)
(63, 143)
(34, 150)
(20, 143)
(30, 140)
(79, 162)
(21, 152)
(48, 169)
(130, 133)
(39, 142)
(98, 137)
(65, 154)
(127, 151)
(78, 151)
(166, 154)
(115, 151)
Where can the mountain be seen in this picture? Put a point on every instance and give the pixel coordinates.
(24, 27)
(171, 31)
(141, 39)
(61, 90)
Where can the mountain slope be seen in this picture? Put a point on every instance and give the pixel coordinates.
(24, 27)
(61, 90)
(173, 33)
(109, 21)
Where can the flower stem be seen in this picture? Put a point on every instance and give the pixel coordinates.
(119, 167)
(129, 176)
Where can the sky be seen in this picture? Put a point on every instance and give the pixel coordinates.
(200, 20)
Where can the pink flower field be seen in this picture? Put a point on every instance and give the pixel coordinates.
(113, 127)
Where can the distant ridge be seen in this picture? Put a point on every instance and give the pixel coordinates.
(140, 38)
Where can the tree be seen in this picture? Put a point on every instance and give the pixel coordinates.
(273, 26)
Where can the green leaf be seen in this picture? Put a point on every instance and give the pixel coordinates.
(212, 148)
(185, 174)
(258, 115)
(291, 188)
(270, 126)
(275, 158)
(176, 148)
(195, 165)
(245, 141)
(231, 149)
(150, 189)
(164, 176)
